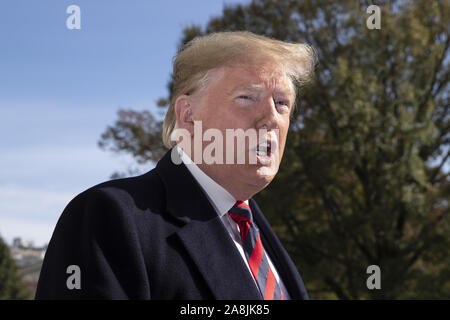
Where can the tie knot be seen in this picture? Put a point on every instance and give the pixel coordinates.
(241, 209)
(242, 215)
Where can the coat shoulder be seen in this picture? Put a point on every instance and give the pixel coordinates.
(145, 191)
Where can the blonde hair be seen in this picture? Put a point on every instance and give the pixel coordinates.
(203, 54)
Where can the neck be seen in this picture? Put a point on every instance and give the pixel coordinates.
(238, 190)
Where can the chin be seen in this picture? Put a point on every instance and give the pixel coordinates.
(263, 176)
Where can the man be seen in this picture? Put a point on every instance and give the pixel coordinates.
(189, 229)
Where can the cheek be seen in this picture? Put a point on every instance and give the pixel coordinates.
(219, 114)
(284, 130)
(228, 118)
(283, 136)
(282, 141)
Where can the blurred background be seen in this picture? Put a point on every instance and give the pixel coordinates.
(365, 175)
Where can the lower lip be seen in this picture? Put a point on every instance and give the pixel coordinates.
(267, 159)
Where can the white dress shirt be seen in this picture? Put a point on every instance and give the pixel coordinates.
(223, 201)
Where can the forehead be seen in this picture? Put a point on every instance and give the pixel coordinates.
(252, 77)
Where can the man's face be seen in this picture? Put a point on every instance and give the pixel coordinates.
(258, 98)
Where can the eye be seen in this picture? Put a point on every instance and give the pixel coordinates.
(282, 102)
(246, 100)
(282, 105)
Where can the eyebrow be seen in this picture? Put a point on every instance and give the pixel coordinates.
(261, 87)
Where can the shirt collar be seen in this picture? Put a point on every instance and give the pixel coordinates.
(219, 197)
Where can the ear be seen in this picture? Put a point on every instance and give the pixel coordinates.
(183, 113)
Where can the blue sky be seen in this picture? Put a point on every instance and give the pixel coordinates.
(60, 88)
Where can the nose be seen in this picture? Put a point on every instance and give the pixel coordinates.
(266, 114)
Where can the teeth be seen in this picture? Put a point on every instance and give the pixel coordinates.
(261, 153)
(264, 147)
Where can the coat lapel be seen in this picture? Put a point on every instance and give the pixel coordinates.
(218, 261)
(203, 235)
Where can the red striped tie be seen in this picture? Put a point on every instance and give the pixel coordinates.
(254, 252)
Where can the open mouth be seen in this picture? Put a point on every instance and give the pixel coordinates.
(264, 149)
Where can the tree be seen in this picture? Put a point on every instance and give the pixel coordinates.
(11, 287)
(365, 175)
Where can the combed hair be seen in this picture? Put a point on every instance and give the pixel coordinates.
(203, 54)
